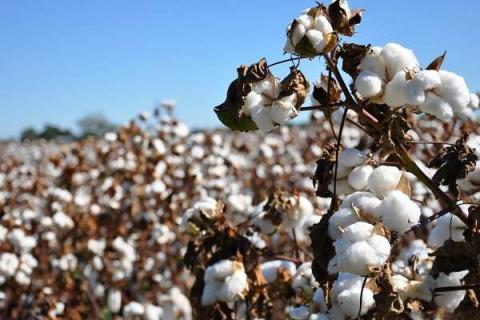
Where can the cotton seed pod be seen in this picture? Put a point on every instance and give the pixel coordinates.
(358, 177)
(295, 83)
(320, 94)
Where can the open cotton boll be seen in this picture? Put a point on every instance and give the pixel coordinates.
(358, 177)
(368, 84)
(133, 309)
(322, 24)
(305, 20)
(398, 58)
(251, 100)
(283, 109)
(446, 227)
(270, 269)
(221, 270)
(454, 90)
(384, 179)
(396, 91)
(234, 286)
(316, 39)
(340, 220)
(262, 116)
(359, 250)
(299, 313)
(365, 201)
(351, 157)
(452, 299)
(319, 316)
(304, 282)
(319, 299)
(436, 106)
(427, 79)
(153, 312)
(265, 87)
(398, 212)
(373, 62)
(225, 281)
(298, 33)
(342, 187)
(345, 296)
(474, 100)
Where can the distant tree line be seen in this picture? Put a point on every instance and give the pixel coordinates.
(95, 125)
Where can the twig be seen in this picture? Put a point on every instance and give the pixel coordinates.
(291, 59)
(457, 288)
(361, 296)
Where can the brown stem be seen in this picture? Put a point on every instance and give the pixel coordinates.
(457, 288)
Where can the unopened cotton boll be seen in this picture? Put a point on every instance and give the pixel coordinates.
(384, 179)
(270, 269)
(262, 116)
(368, 84)
(351, 157)
(358, 177)
(398, 212)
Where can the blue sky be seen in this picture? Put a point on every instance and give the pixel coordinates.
(60, 60)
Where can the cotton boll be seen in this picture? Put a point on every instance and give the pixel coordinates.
(474, 101)
(288, 47)
(270, 269)
(453, 89)
(452, 299)
(359, 250)
(398, 58)
(114, 300)
(319, 299)
(446, 227)
(319, 316)
(398, 212)
(299, 313)
(414, 93)
(153, 312)
(342, 171)
(316, 39)
(365, 201)
(209, 294)
(368, 84)
(220, 270)
(427, 79)
(298, 33)
(349, 301)
(384, 179)
(396, 91)
(8, 264)
(133, 309)
(304, 282)
(358, 177)
(345, 296)
(234, 286)
(252, 99)
(340, 220)
(323, 25)
(351, 157)
(373, 62)
(265, 87)
(305, 20)
(342, 187)
(262, 116)
(436, 106)
(283, 109)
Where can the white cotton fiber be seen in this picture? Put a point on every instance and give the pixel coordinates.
(351, 157)
(262, 116)
(398, 212)
(368, 84)
(358, 177)
(398, 58)
(384, 179)
(436, 106)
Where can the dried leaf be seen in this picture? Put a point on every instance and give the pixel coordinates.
(404, 186)
(437, 63)
(352, 56)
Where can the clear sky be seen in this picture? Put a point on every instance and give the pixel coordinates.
(60, 60)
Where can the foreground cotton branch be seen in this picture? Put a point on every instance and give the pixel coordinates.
(375, 253)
